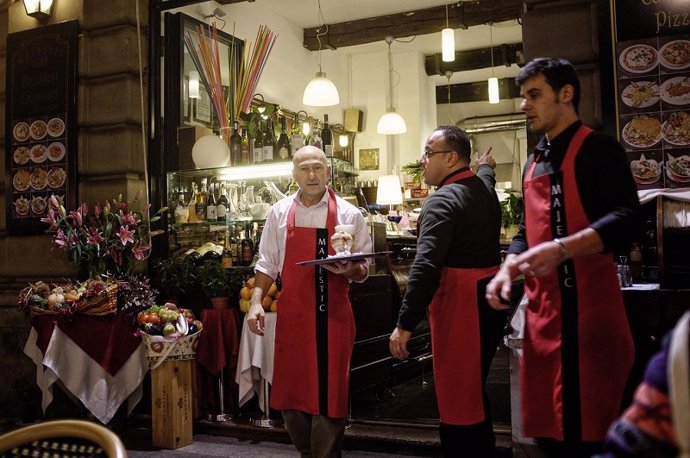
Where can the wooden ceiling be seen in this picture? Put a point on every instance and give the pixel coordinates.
(461, 14)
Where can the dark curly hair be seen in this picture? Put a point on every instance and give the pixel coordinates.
(457, 140)
(557, 72)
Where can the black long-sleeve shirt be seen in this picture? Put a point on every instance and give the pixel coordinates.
(604, 182)
(460, 227)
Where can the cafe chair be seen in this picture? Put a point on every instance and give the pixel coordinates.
(58, 438)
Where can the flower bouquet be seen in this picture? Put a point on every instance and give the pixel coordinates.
(106, 240)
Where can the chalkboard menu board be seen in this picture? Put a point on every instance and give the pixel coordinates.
(652, 53)
(40, 124)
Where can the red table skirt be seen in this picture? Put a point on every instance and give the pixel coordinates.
(218, 350)
(109, 339)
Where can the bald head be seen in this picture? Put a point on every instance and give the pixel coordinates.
(308, 152)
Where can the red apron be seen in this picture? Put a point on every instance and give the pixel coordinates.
(454, 317)
(315, 331)
(578, 350)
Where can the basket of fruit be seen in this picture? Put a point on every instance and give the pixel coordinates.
(270, 301)
(97, 297)
(170, 333)
(42, 298)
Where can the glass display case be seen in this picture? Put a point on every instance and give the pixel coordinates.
(225, 204)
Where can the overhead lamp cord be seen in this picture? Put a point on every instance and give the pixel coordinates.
(320, 34)
(491, 41)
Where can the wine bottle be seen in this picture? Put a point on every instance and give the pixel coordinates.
(269, 142)
(181, 211)
(211, 205)
(227, 261)
(222, 204)
(246, 147)
(247, 247)
(259, 145)
(316, 140)
(327, 137)
(191, 206)
(235, 145)
(284, 147)
(233, 246)
(296, 137)
(201, 202)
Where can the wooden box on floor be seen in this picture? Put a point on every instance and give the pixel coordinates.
(172, 408)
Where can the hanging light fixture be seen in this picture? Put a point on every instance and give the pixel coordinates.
(321, 92)
(447, 42)
(193, 84)
(493, 81)
(391, 123)
(40, 9)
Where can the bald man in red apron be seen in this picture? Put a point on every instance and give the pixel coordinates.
(578, 349)
(315, 331)
(457, 253)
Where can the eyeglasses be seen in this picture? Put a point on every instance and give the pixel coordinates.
(427, 153)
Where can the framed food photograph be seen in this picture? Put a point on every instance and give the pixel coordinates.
(369, 159)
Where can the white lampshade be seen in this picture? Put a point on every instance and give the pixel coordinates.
(447, 45)
(391, 123)
(193, 84)
(493, 90)
(389, 191)
(210, 151)
(39, 9)
(320, 92)
(343, 140)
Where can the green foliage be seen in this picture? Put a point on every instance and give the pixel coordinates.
(252, 119)
(213, 279)
(176, 275)
(511, 209)
(415, 170)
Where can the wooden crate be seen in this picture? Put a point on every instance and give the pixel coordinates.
(172, 408)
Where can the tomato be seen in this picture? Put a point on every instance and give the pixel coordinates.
(154, 318)
(140, 318)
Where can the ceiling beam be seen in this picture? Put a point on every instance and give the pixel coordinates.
(230, 2)
(419, 22)
(474, 59)
(476, 92)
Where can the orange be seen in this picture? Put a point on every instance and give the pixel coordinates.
(266, 303)
(246, 293)
(272, 290)
(274, 306)
(250, 282)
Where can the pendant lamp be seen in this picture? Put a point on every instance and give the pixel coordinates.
(391, 123)
(493, 81)
(321, 92)
(447, 42)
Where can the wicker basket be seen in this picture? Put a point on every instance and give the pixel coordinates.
(103, 304)
(159, 349)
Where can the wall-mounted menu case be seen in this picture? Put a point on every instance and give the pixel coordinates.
(40, 126)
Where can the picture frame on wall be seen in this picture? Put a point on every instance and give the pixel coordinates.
(369, 159)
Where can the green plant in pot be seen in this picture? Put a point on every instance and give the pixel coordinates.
(214, 282)
(176, 276)
(511, 213)
(415, 170)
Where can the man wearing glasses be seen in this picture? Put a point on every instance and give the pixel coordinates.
(457, 254)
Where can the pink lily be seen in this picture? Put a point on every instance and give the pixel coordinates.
(125, 235)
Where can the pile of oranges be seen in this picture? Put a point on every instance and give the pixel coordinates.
(270, 302)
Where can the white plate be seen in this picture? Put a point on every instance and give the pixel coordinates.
(21, 132)
(627, 136)
(21, 155)
(681, 86)
(638, 58)
(22, 180)
(678, 141)
(642, 166)
(56, 177)
(38, 130)
(675, 54)
(56, 151)
(674, 176)
(639, 87)
(21, 206)
(56, 127)
(38, 153)
(39, 178)
(38, 205)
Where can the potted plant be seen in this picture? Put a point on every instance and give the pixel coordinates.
(215, 283)
(511, 213)
(176, 276)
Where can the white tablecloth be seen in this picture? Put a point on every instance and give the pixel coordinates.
(99, 391)
(255, 362)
